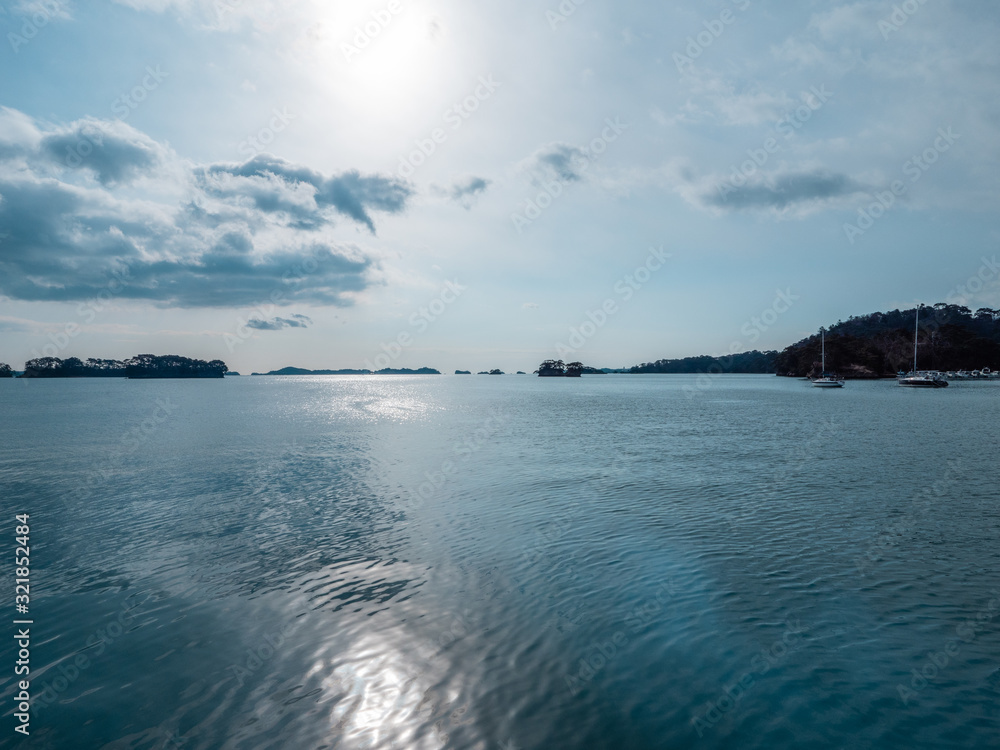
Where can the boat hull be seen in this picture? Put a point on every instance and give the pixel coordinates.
(924, 383)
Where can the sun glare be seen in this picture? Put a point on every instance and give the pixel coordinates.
(386, 62)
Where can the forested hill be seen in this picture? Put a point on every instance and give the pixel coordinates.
(745, 362)
(880, 344)
(141, 366)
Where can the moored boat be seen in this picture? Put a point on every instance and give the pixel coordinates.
(923, 380)
(915, 378)
(827, 379)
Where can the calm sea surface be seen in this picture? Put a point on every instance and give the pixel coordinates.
(505, 562)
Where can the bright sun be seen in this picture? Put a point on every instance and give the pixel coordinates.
(384, 61)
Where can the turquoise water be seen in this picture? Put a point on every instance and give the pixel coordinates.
(500, 562)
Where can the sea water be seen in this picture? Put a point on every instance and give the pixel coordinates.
(484, 562)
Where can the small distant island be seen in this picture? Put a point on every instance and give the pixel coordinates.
(140, 367)
(386, 371)
(877, 345)
(554, 368)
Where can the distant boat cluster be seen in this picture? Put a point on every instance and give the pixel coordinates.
(984, 374)
(937, 379)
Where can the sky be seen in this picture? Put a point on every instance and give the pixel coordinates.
(478, 185)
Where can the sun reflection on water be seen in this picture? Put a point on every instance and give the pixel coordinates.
(381, 697)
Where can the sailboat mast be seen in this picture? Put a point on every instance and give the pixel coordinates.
(823, 331)
(916, 333)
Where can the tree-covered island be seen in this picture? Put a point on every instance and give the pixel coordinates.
(140, 367)
(554, 368)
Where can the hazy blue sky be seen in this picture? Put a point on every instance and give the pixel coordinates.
(476, 179)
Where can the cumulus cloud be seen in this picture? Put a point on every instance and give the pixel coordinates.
(779, 191)
(557, 160)
(211, 235)
(114, 152)
(466, 190)
(277, 324)
(276, 185)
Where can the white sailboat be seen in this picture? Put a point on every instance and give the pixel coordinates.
(915, 378)
(826, 379)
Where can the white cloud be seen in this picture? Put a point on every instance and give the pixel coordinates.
(79, 200)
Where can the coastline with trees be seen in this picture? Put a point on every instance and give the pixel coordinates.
(877, 345)
(880, 345)
(140, 367)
